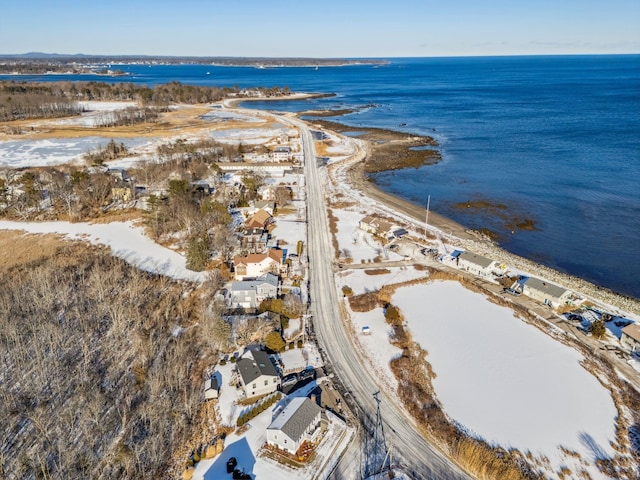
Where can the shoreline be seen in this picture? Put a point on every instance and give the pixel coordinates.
(474, 240)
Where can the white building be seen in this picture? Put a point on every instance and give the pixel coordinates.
(297, 422)
(631, 337)
(257, 374)
(545, 292)
(476, 264)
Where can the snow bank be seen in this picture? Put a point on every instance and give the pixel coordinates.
(126, 242)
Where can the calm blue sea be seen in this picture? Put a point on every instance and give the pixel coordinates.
(554, 138)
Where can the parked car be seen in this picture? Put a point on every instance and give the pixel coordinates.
(511, 291)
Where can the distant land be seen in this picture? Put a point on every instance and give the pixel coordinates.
(34, 63)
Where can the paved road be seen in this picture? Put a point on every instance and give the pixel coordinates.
(416, 455)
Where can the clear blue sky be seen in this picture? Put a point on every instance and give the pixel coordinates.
(330, 28)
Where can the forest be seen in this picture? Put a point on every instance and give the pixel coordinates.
(31, 100)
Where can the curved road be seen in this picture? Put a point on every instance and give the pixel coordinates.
(417, 456)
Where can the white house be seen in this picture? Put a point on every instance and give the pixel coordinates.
(257, 374)
(297, 422)
(250, 293)
(476, 264)
(282, 153)
(257, 264)
(544, 292)
(631, 337)
(375, 225)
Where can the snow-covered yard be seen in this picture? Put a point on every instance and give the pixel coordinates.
(126, 241)
(507, 381)
(246, 446)
(357, 244)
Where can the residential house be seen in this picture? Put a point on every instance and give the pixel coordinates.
(122, 194)
(250, 293)
(258, 375)
(267, 192)
(211, 388)
(543, 291)
(260, 219)
(254, 240)
(375, 225)
(120, 174)
(282, 154)
(256, 264)
(268, 206)
(476, 264)
(631, 337)
(296, 423)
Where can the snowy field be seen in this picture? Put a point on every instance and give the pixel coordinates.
(220, 115)
(93, 113)
(125, 240)
(360, 282)
(55, 151)
(358, 244)
(251, 136)
(506, 381)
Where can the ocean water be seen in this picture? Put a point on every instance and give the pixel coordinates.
(554, 139)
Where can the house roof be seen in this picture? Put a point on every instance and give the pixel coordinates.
(295, 418)
(476, 259)
(246, 285)
(211, 383)
(632, 331)
(377, 223)
(545, 287)
(273, 254)
(254, 365)
(259, 218)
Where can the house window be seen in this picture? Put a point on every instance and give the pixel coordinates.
(266, 382)
(253, 386)
(274, 380)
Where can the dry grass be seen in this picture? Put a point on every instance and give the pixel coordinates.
(17, 248)
(322, 147)
(333, 228)
(174, 123)
(364, 302)
(377, 271)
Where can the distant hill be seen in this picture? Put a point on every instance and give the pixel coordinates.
(62, 59)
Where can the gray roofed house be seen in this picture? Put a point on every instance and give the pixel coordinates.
(250, 293)
(297, 422)
(476, 264)
(630, 337)
(545, 292)
(258, 375)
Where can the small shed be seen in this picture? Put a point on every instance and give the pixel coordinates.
(211, 388)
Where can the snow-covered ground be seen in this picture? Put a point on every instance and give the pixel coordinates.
(357, 244)
(360, 282)
(93, 113)
(125, 240)
(251, 136)
(506, 381)
(220, 115)
(55, 151)
(245, 447)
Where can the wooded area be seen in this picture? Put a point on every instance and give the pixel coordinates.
(101, 367)
(28, 100)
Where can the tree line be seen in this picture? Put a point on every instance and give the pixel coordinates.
(30, 100)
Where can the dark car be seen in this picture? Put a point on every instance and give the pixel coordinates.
(238, 475)
(231, 464)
